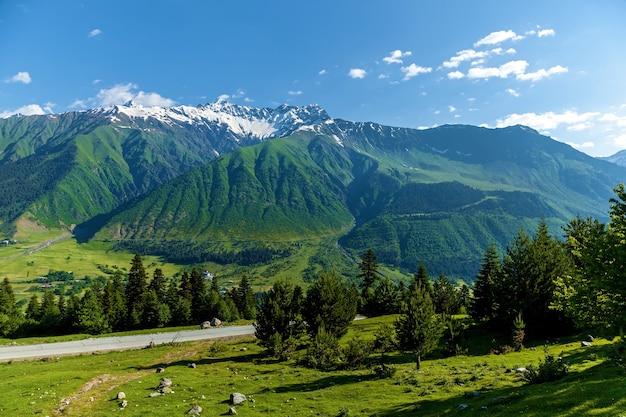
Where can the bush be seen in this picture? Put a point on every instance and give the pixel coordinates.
(324, 352)
(550, 369)
(356, 354)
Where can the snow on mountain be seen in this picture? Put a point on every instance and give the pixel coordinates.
(242, 121)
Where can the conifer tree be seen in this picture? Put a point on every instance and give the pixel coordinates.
(486, 301)
(418, 329)
(199, 308)
(89, 315)
(136, 292)
(10, 315)
(245, 300)
(33, 309)
(158, 285)
(422, 279)
(331, 303)
(445, 296)
(368, 276)
(180, 307)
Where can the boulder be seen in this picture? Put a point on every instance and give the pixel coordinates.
(520, 370)
(462, 407)
(160, 369)
(123, 404)
(121, 395)
(165, 383)
(195, 410)
(215, 322)
(205, 325)
(232, 411)
(237, 398)
(584, 343)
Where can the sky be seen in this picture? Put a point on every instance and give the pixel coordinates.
(557, 66)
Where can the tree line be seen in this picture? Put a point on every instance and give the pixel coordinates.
(126, 303)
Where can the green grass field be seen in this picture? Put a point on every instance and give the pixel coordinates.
(87, 385)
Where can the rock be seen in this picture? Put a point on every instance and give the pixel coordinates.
(483, 407)
(165, 383)
(237, 398)
(154, 394)
(471, 394)
(215, 322)
(243, 349)
(160, 369)
(584, 343)
(462, 407)
(166, 390)
(232, 411)
(192, 365)
(589, 338)
(205, 325)
(195, 410)
(123, 404)
(520, 370)
(121, 395)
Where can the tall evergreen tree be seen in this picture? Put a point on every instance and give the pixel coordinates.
(89, 315)
(445, 296)
(368, 275)
(158, 285)
(33, 309)
(136, 292)
(330, 303)
(245, 299)
(50, 315)
(485, 303)
(279, 317)
(114, 302)
(10, 315)
(418, 329)
(180, 307)
(199, 308)
(422, 279)
(387, 298)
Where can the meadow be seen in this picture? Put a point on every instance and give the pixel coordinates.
(206, 373)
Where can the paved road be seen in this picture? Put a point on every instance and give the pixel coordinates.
(118, 343)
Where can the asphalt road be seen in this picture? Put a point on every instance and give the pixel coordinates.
(104, 344)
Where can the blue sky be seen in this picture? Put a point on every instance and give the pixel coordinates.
(555, 65)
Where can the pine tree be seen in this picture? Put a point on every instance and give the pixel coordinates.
(89, 315)
(135, 292)
(485, 303)
(418, 329)
(280, 317)
(158, 285)
(199, 310)
(422, 279)
(180, 307)
(445, 296)
(331, 303)
(386, 299)
(368, 275)
(33, 310)
(114, 302)
(11, 316)
(245, 300)
(50, 315)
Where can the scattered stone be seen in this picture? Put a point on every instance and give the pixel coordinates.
(215, 322)
(483, 407)
(589, 338)
(160, 369)
(165, 383)
(195, 410)
(533, 348)
(584, 343)
(243, 349)
(192, 365)
(237, 398)
(462, 407)
(166, 390)
(121, 395)
(232, 411)
(123, 404)
(205, 325)
(520, 370)
(91, 399)
(155, 394)
(472, 394)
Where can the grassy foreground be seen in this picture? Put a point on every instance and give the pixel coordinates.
(87, 385)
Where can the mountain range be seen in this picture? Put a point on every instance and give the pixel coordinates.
(195, 180)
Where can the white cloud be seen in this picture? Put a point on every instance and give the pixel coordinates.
(414, 70)
(548, 120)
(513, 92)
(78, 104)
(503, 71)
(585, 145)
(497, 37)
(382, 76)
(28, 110)
(123, 93)
(95, 32)
(294, 93)
(464, 55)
(152, 99)
(223, 97)
(322, 72)
(451, 109)
(455, 75)
(620, 141)
(357, 73)
(20, 77)
(546, 32)
(542, 73)
(395, 57)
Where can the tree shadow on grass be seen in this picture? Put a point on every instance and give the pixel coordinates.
(598, 390)
(321, 383)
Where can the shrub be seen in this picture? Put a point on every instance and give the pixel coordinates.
(356, 354)
(324, 351)
(550, 369)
